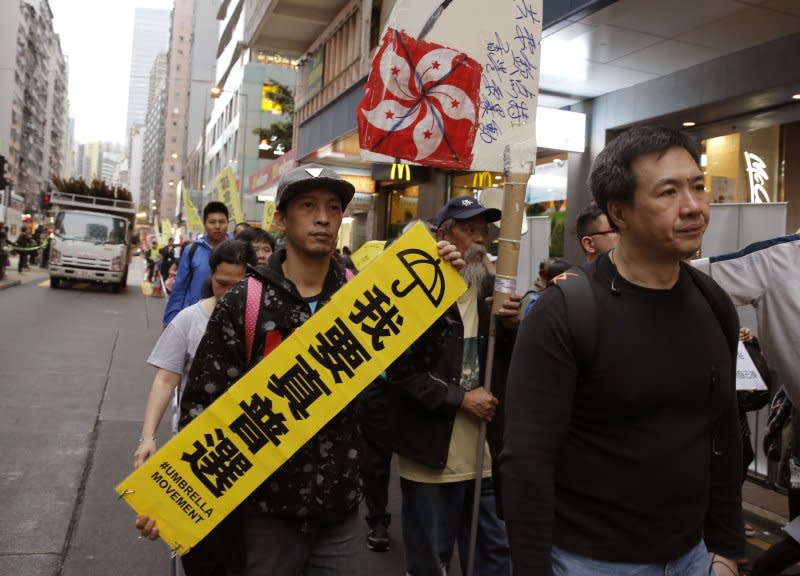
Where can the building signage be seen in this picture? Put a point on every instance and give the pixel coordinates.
(757, 174)
(269, 175)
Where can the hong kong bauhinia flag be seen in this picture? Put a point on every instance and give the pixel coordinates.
(420, 103)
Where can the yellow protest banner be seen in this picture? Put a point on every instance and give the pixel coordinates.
(366, 253)
(228, 194)
(167, 231)
(269, 212)
(156, 229)
(194, 224)
(226, 452)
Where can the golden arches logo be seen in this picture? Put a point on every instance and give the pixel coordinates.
(481, 179)
(400, 171)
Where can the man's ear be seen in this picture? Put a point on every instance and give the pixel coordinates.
(588, 245)
(279, 219)
(617, 213)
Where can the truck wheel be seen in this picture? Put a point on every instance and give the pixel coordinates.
(118, 287)
(55, 282)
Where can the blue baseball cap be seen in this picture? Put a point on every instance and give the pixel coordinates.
(464, 208)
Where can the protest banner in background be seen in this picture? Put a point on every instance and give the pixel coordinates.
(269, 212)
(224, 454)
(194, 224)
(228, 194)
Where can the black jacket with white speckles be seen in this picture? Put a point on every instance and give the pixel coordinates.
(321, 483)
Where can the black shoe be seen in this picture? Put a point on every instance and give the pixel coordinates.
(378, 538)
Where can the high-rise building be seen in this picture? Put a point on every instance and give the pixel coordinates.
(190, 76)
(153, 144)
(238, 119)
(177, 102)
(68, 149)
(33, 96)
(203, 69)
(109, 162)
(203, 72)
(135, 162)
(150, 37)
(57, 112)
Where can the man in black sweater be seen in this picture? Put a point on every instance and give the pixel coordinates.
(626, 460)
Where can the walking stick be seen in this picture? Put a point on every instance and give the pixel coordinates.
(517, 170)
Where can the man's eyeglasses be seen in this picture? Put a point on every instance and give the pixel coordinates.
(603, 232)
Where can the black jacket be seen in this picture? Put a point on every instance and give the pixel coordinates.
(425, 385)
(320, 483)
(634, 455)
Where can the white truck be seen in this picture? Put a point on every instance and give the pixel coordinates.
(91, 240)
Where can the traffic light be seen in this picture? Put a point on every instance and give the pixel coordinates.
(45, 200)
(3, 182)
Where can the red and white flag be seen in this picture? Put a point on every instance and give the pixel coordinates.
(421, 103)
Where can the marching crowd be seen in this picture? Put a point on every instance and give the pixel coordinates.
(614, 440)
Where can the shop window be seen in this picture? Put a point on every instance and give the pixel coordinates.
(402, 209)
(743, 167)
(270, 145)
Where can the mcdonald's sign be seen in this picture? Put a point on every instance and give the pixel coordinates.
(400, 171)
(482, 180)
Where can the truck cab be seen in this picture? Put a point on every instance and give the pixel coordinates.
(91, 240)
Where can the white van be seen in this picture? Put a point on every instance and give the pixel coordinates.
(91, 240)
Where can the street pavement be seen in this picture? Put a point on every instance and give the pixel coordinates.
(74, 384)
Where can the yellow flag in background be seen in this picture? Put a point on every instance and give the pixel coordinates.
(227, 451)
(164, 231)
(194, 224)
(228, 194)
(269, 212)
(158, 233)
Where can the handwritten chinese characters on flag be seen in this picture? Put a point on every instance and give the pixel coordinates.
(421, 103)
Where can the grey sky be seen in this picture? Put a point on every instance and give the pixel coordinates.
(96, 39)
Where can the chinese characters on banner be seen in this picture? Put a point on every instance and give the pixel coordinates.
(225, 453)
(228, 194)
(502, 40)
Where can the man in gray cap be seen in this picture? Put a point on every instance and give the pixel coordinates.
(303, 519)
(438, 404)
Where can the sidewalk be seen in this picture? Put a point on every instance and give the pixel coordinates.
(14, 278)
(766, 504)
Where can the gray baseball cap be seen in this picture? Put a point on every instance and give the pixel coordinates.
(310, 177)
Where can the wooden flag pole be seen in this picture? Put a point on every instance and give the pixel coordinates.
(517, 170)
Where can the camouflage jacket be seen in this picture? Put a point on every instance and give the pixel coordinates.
(321, 482)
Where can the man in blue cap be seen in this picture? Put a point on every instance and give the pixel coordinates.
(437, 407)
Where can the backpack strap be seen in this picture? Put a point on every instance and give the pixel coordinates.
(721, 305)
(579, 301)
(581, 309)
(254, 289)
(192, 250)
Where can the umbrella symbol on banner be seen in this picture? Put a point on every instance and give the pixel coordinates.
(426, 272)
